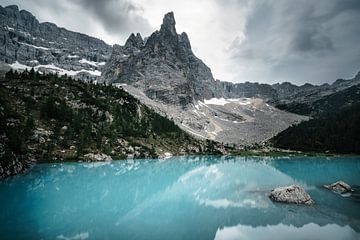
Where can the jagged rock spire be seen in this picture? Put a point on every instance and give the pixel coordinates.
(168, 24)
(134, 41)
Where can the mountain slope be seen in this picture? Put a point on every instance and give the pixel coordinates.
(51, 118)
(26, 43)
(163, 73)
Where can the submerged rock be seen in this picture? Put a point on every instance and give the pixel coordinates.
(339, 187)
(291, 194)
(100, 157)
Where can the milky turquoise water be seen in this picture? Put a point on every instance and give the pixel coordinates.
(180, 198)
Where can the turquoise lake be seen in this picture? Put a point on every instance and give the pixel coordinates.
(180, 198)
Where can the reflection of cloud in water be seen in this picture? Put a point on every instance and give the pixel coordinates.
(281, 231)
(224, 185)
(225, 203)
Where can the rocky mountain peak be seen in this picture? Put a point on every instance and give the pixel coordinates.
(165, 68)
(168, 25)
(12, 7)
(134, 41)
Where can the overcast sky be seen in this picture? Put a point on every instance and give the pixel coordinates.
(240, 40)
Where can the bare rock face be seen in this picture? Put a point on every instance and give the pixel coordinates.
(163, 67)
(49, 48)
(97, 157)
(291, 194)
(339, 187)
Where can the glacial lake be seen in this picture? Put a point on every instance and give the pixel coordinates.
(180, 198)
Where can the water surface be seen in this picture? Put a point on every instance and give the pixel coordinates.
(180, 198)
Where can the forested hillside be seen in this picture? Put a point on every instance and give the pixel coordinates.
(46, 118)
(334, 128)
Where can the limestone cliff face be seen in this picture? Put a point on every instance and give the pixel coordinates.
(163, 66)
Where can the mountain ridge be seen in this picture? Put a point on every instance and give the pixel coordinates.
(166, 57)
(27, 43)
(31, 51)
(165, 74)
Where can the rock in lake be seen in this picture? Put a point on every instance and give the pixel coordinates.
(97, 157)
(339, 187)
(291, 194)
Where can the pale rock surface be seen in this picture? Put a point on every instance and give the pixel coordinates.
(291, 194)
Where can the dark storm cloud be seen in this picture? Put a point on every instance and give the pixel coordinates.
(300, 41)
(116, 15)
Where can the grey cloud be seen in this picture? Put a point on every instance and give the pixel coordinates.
(311, 40)
(119, 18)
(300, 41)
(116, 15)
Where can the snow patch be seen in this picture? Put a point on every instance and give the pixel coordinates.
(60, 71)
(72, 56)
(91, 62)
(18, 66)
(33, 46)
(9, 28)
(223, 101)
(216, 101)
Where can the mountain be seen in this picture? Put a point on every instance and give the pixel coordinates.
(309, 99)
(46, 118)
(163, 72)
(163, 67)
(334, 125)
(325, 104)
(26, 43)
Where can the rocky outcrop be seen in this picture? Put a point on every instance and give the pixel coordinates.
(248, 90)
(291, 194)
(339, 187)
(28, 43)
(98, 157)
(40, 135)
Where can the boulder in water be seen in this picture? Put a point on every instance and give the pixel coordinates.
(291, 194)
(339, 187)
